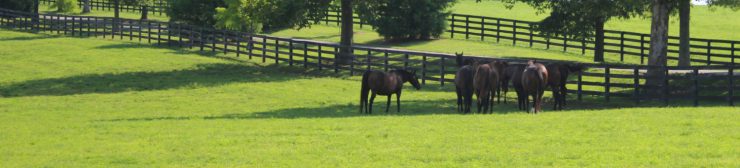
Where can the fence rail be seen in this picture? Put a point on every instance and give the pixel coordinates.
(159, 7)
(696, 84)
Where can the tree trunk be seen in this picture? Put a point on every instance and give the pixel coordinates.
(658, 45)
(86, 6)
(345, 51)
(684, 58)
(116, 6)
(144, 12)
(599, 43)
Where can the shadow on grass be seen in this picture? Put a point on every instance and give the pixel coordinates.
(202, 75)
(28, 38)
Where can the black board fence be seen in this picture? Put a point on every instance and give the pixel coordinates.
(602, 82)
(159, 7)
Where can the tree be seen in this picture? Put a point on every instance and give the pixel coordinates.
(194, 12)
(398, 20)
(21, 5)
(86, 6)
(66, 5)
(347, 33)
(684, 53)
(262, 15)
(145, 4)
(582, 19)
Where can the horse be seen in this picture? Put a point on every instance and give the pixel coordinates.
(385, 83)
(534, 82)
(482, 85)
(513, 73)
(558, 77)
(464, 85)
(497, 81)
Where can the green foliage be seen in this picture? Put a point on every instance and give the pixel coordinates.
(406, 19)
(194, 12)
(21, 5)
(66, 6)
(260, 15)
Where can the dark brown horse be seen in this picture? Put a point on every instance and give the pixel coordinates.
(558, 77)
(482, 85)
(382, 83)
(464, 85)
(513, 73)
(534, 82)
(497, 79)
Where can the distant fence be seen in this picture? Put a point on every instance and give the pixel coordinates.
(634, 46)
(159, 7)
(602, 81)
(703, 51)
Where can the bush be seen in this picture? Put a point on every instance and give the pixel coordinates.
(20, 5)
(262, 15)
(405, 19)
(66, 6)
(194, 12)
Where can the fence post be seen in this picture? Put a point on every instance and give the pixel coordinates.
(642, 49)
(482, 28)
(732, 53)
(583, 46)
(696, 86)
(73, 25)
(547, 42)
(336, 53)
(424, 69)
(580, 85)
(665, 85)
(239, 45)
(442, 71)
(320, 61)
(264, 49)
(369, 56)
(514, 32)
(636, 91)
(385, 62)
(213, 34)
(405, 61)
(290, 52)
(607, 83)
(139, 30)
(352, 64)
(565, 44)
(179, 37)
(149, 32)
(277, 51)
(452, 27)
(709, 52)
(226, 42)
(305, 55)
(498, 30)
(731, 82)
(530, 36)
(250, 46)
(131, 32)
(621, 47)
(467, 27)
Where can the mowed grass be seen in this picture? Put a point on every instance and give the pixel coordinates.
(76, 102)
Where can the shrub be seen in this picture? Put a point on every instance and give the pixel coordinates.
(66, 6)
(405, 19)
(261, 15)
(194, 12)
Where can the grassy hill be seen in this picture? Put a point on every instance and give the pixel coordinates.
(79, 102)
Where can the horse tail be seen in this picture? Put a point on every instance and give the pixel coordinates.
(364, 90)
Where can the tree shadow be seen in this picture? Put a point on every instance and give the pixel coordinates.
(202, 75)
(28, 38)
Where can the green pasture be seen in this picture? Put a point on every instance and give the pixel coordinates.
(87, 102)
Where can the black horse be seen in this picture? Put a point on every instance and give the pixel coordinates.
(558, 78)
(382, 83)
(464, 84)
(513, 73)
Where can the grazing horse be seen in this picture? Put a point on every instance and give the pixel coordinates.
(382, 83)
(497, 79)
(534, 82)
(482, 85)
(464, 85)
(558, 77)
(513, 73)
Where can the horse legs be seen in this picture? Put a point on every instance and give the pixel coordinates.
(460, 107)
(372, 99)
(398, 102)
(556, 96)
(388, 103)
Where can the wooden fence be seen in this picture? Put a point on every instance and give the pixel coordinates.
(159, 7)
(604, 82)
(636, 45)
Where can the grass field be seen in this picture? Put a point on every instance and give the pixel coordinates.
(76, 102)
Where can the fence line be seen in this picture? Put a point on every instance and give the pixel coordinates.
(602, 81)
(159, 7)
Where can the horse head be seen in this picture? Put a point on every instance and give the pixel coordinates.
(412, 78)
